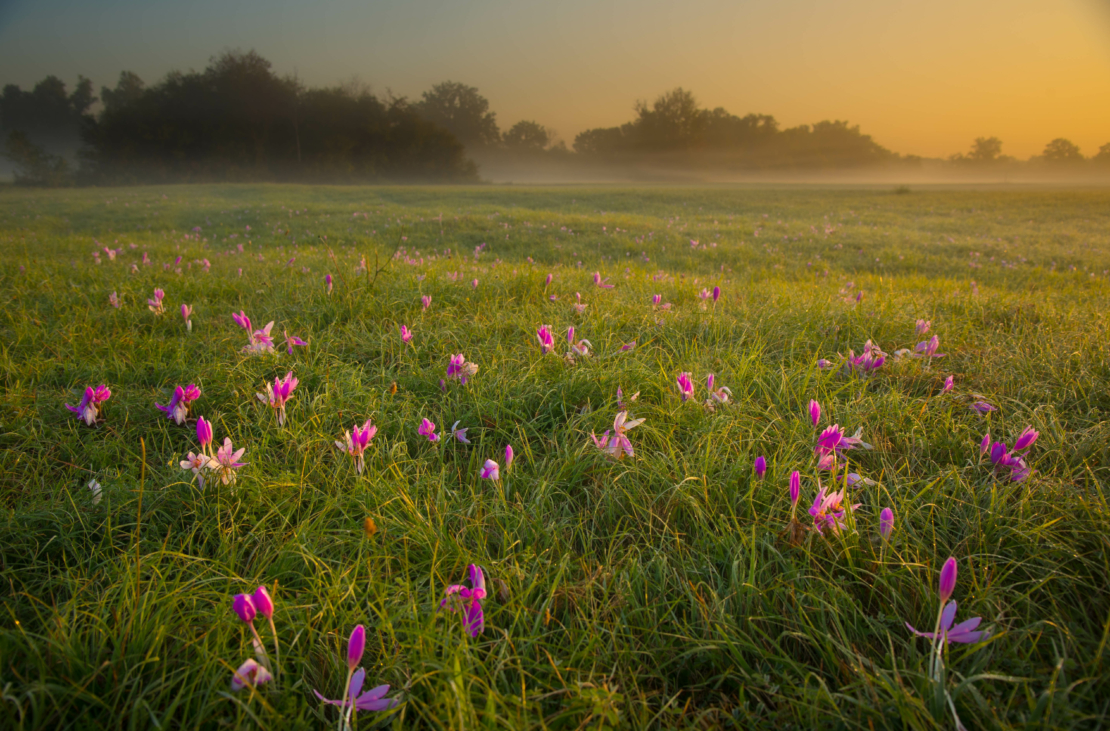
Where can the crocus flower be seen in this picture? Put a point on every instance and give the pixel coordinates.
(426, 301)
(261, 341)
(547, 340)
(619, 443)
(685, 385)
(828, 511)
(814, 412)
(823, 363)
(186, 313)
(113, 300)
(197, 463)
(760, 467)
(656, 299)
(870, 360)
(251, 674)
(244, 607)
(795, 487)
(922, 326)
(278, 394)
(95, 488)
(355, 442)
(242, 320)
(982, 407)
(155, 304)
(547, 281)
(716, 294)
(178, 408)
(406, 334)
(427, 429)
(581, 349)
(833, 441)
(964, 632)
(602, 283)
(460, 369)
(204, 434)
(948, 384)
(490, 471)
(886, 523)
(1026, 439)
(704, 294)
(328, 281)
(227, 461)
(474, 284)
(89, 408)
(508, 456)
(946, 584)
(290, 341)
(628, 346)
(262, 602)
(356, 645)
(928, 348)
(353, 698)
(468, 600)
(459, 434)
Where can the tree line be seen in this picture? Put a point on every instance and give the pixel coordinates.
(239, 121)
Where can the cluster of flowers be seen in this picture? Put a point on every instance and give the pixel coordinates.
(223, 463)
(1004, 458)
(260, 341)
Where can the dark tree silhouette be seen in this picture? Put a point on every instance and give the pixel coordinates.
(527, 136)
(1061, 151)
(461, 110)
(33, 165)
(985, 149)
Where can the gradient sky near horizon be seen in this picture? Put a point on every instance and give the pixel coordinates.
(921, 78)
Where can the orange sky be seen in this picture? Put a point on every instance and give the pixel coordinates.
(920, 77)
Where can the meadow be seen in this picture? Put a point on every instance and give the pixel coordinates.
(666, 589)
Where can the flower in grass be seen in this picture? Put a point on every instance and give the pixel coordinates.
(406, 334)
(948, 384)
(508, 456)
(985, 445)
(113, 300)
(814, 412)
(579, 306)
(426, 301)
(965, 632)
(621, 405)
(460, 369)
(178, 408)
(922, 327)
(278, 394)
(262, 602)
(828, 511)
(204, 434)
(685, 385)
(468, 600)
(197, 463)
(547, 281)
(760, 467)
(290, 341)
(328, 282)
(833, 441)
(823, 363)
(581, 348)
(1026, 439)
(867, 362)
(704, 294)
(854, 478)
(982, 407)
(244, 608)
(89, 408)
(547, 340)
(795, 487)
(490, 471)
(354, 443)
(459, 434)
(251, 673)
(474, 284)
(227, 462)
(886, 523)
(186, 313)
(716, 294)
(602, 283)
(628, 346)
(95, 489)
(261, 340)
(155, 304)
(619, 444)
(719, 396)
(353, 697)
(656, 299)
(427, 429)
(946, 583)
(929, 347)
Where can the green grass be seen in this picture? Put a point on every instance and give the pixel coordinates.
(650, 592)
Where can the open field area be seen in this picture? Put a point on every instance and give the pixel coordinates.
(666, 588)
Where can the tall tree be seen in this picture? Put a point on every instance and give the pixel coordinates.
(462, 110)
(1063, 151)
(526, 135)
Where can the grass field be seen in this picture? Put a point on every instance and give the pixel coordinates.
(658, 590)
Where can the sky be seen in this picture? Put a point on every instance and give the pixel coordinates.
(922, 78)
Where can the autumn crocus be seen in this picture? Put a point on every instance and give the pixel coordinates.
(718, 396)
(828, 510)
(886, 523)
(155, 304)
(204, 434)
(355, 442)
(508, 456)
(290, 341)
(186, 313)
(460, 369)
(468, 600)
(1026, 439)
(426, 301)
(922, 327)
(547, 340)
(602, 283)
(982, 407)
(948, 384)
(656, 299)
(261, 340)
(406, 334)
(277, 395)
(928, 348)
(459, 434)
(89, 408)
(685, 385)
(965, 632)
(250, 674)
(328, 282)
(760, 467)
(113, 300)
(226, 462)
(353, 697)
(619, 444)
(428, 429)
(716, 294)
(177, 410)
(795, 491)
(814, 412)
(490, 471)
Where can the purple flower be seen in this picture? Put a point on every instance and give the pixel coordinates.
(628, 346)
(328, 281)
(355, 442)
(204, 433)
(356, 645)
(716, 294)
(823, 363)
(871, 359)
(460, 369)
(814, 412)
(828, 511)
(547, 281)
(427, 429)
(459, 434)
(948, 383)
(155, 304)
(618, 444)
(947, 582)
(602, 283)
(929, 348)
(290, 341)
(508, 456)
(886, 522)
(278, 394)
(262, 602)
(547, 340)
(760, 467)
(685, 385)
(795, 487)
(186, 313)
(354, 699)
(468, 600)
(242, 320)
(490, 471)
(406, 334)
(964, 632)
(985, 445)
(922, 326)
(426, 301)
(243, 606)
(226, 462)
(178, 408)
(982, 407)
(89, 408)
(1026, 439)
(250, 673)
(656, 299)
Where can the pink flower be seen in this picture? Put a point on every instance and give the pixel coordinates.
(227, 462)
(468, 600)
(964, 632)
(89, 408)
(459, 434)
(186, 313)
(290, 341)
(427, 429)
(178, 407)
(685, 385)
(656, 299)
(277, 395)
(460, 369)
(716, 294)
(508, 456)
(355, 442)
(328, 282)
(982, 407)
(155, 304)
(250, 674)
(922, 327)
(261, 341)
(929, 347)
(602, 283)
(113, 300)
(948, 384)
(426, 301)
(490, 471)
(619, 443)
(814, 412)
(628, 346)
(547, 340)
(406, 334)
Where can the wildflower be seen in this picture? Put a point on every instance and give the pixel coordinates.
(89, 408)
(508, 455)
(760, 467)
(656, 299)
(290, 341)
(720, 396)
(922, 326)
(886, 523)
(94, 487)
(406, 334)
(547, 340)
(964, 632)
(474, 284)
(426, 301)
(628, 346)
(459, 434)
(613, 446)
(948, 384)
(261, 341)
(854, 478)
(704, 294)
(490, 471)
(353, 697)
(155, 304)
(828, 511)
(982, 407)
(197, 463)
(244, 607)
(1026, 439)
(602, 283)
(250, 673)
(621, 406)
(113, 300)
(460, 369)
(328, 282)
(716, 294)
(468, 600)
(355, 442)
(833, 441)
(823, 363)
(204, 434)
(946, 584)
(870, 360)
(186, 313)
(581, 349)
(278, 394)
(685, 385)
(929, 347)
(547, 281)
(227, 461)
(178, 407)
(427, 429)
(814, 412)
